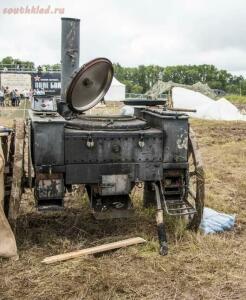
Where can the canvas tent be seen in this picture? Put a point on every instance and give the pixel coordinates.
(116, 91)
(199, 97)
(206, 108)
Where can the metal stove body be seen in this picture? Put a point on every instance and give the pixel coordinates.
(108, 154)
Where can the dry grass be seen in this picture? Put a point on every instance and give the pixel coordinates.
(236, 99)
(198, 267)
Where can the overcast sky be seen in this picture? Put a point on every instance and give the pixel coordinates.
(132, 32)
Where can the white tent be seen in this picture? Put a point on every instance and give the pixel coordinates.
(116, 92)
(206, 108)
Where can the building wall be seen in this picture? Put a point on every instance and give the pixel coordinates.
(16, 81)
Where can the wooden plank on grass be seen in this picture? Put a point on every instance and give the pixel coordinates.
(93, 250)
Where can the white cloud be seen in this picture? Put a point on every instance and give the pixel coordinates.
(133, 32)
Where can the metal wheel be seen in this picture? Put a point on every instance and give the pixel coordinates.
(196, 190)
(16, 173)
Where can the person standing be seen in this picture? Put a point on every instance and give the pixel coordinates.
(13, 97)
(7, 96)
(17, 99)
(30, 95)
(1, 98)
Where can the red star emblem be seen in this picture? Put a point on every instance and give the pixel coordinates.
(37, 78)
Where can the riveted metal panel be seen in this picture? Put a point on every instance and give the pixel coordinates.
(47, 140)
(111, 147)
(92, 173)
(175, 134)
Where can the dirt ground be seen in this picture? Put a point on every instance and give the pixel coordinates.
(197, 267)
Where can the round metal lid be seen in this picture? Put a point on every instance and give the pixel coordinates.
(104, 123)
(89, 84)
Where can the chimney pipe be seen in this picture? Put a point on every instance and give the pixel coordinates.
(70, 38)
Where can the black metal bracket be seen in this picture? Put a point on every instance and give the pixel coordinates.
(161, 231)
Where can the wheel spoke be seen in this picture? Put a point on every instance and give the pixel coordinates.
(193, 173)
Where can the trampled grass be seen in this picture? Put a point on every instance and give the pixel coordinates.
(197, 267)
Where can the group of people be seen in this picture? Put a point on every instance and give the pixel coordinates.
(9, 97)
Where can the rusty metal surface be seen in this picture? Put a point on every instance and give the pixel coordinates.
(117, 184)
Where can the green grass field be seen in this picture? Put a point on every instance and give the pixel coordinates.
(197, 267)
(236, 99)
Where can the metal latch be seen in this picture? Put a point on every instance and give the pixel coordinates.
(141, 141)
(90, 143)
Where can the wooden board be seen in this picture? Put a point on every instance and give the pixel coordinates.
(93, 250)
(18, 172)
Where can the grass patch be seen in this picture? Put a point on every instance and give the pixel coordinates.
(197, 267)
(237, 99)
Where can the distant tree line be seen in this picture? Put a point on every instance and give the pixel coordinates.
(140, 79)
(10, 62)
(21, 64)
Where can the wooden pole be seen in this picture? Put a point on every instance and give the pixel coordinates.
(7, 239)
(93, 250)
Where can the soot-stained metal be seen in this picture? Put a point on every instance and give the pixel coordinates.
(111, 155)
